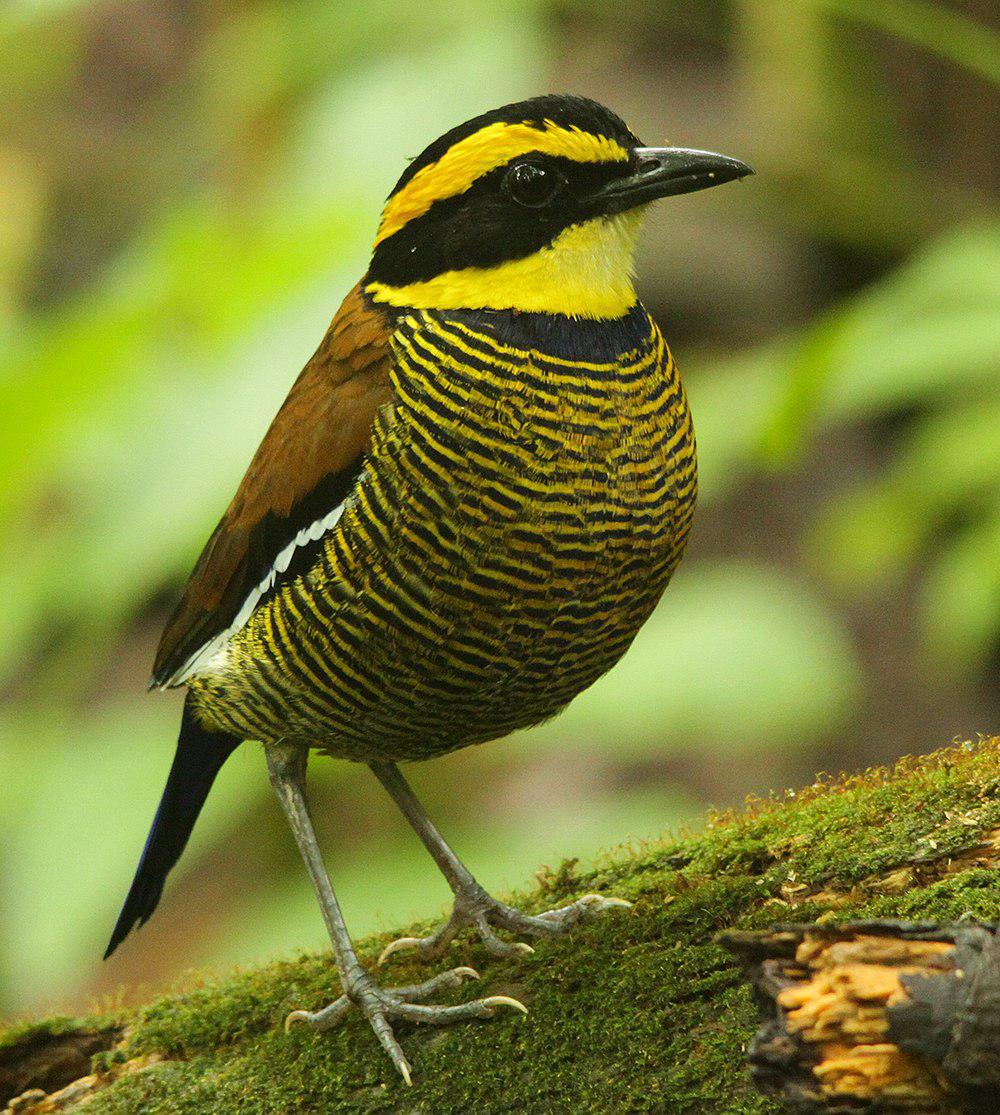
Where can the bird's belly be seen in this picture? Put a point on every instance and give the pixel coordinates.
(513, 635)
(465, 652)
(440, 647)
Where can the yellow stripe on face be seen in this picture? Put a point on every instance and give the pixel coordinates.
(482, 152)
(584, 272)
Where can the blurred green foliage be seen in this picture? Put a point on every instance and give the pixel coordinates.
(186, 194)
(926, 339)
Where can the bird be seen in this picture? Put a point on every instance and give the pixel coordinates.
(471, 500)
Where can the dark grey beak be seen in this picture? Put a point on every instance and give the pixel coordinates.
(665, 171)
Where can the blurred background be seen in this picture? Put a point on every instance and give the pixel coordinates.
(188, 189)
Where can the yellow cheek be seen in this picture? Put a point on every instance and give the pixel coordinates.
(585, 272)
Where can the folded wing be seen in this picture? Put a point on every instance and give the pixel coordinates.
(291, 494)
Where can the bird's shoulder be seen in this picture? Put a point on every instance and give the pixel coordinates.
(304, 468)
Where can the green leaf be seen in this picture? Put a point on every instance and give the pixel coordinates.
(959, 604)
(943, 31)
(925, 333)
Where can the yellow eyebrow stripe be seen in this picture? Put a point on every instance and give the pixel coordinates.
(480, 153)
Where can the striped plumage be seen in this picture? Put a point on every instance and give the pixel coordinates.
(518, 516)
(471, 500)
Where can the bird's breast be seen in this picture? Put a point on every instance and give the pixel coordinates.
(530, 451)
(525, 500)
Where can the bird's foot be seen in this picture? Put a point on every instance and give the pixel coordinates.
(475, 908)
(384, 1005)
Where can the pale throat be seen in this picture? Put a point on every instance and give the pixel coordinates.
(585, 272)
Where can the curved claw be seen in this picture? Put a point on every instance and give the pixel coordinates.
(399, 945)
(605, 900)
(296, 1016)
(405, 1071)
(504, 1001)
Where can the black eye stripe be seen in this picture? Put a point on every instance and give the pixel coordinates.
(484, 225)
(579, 176)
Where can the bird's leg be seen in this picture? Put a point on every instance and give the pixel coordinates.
(382, 1006)
(473, 906)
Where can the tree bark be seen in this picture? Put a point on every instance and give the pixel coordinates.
(904, 1016)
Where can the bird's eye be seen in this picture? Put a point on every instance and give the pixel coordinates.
(532, 185)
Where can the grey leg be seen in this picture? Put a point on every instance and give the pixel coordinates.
(473, 906)
(286, 766)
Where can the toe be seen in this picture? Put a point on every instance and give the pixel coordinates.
(464, 1012)
(497, 945)
(417, 991)
(320, 1019)
(589, 905)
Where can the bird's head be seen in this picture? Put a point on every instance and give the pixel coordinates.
(534, 206)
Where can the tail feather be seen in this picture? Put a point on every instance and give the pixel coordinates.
(199, 758)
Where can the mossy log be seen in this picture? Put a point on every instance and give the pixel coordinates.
(642, 1010)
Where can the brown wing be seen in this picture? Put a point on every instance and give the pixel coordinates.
(305, 466)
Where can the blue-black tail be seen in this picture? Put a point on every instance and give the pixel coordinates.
(199, 758)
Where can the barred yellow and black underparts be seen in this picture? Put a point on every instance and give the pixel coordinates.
(527, 495)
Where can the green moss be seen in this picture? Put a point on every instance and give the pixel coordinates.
(35, 1034)
(637, 1011)
(22, 1032)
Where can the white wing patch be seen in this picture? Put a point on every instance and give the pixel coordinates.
(211, 656)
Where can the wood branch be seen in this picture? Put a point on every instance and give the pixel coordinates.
(642, 1010)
